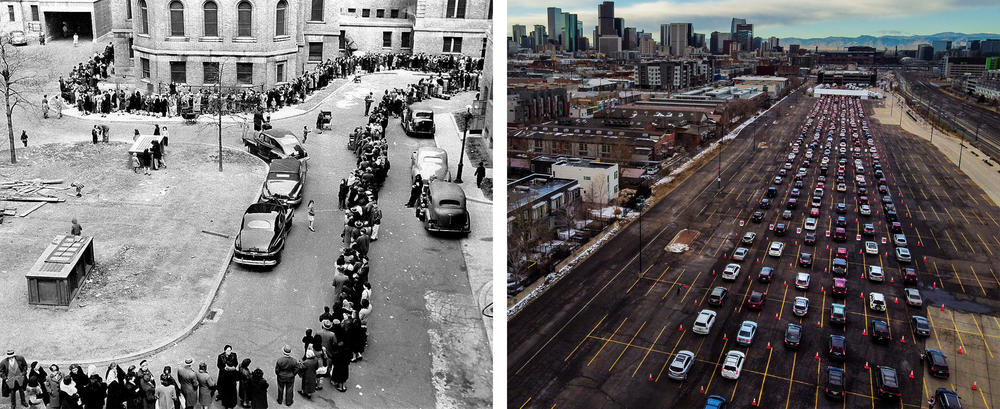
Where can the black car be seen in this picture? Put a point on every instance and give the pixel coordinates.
(891, 216)
(757, 216)
(834, 383)
(837, 348)
(793, 335)
(792, 204)
(921, 327)
(262, 234)
(805, 260)
(274, 143)
(765, 203)
(771, 191)
(841, 221)
(779, 229)
(418, 122)
(841, 208)
(718, 296)
(765, 275)
(937, 364)
(947, 398)
(887, 383)
(839, 266)
(285, 181)
(910, 275)
(880, 331)
(810, 239)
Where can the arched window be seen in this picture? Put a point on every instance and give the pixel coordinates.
(176, 19)
(211, 11)
(279, 18)
(244, 18)
(143, 18)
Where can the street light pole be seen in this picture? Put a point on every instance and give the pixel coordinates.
(640, 205)
(465, 133)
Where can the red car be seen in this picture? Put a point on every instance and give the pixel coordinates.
(909, 275)
(841, 253)
(840, 286)
(756, 300)
(840, 234)
(814, 212)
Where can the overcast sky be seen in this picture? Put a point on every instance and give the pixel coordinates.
(782, 18)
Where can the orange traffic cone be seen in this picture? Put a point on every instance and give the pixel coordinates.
(959, 350)
(695, 302)
(934, 285)
(754, 403)
(902, 340)
(892, 280)
(911, 374)
(650, 377)
(702, 390)
(768, 344)
(864, 331)
(866, 365)
(942, 307)
(974, 385)
(775, 315)
(680, 327)
(895, 300)
(724, 337)
(817, 355)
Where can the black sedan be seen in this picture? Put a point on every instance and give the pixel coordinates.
(262, 235)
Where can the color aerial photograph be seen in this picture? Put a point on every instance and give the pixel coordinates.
(246, 203)
(735, 204)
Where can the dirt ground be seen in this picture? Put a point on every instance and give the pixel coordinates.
(155, 266)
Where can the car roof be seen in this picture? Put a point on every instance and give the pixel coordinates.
(440, 189)
(285, 165)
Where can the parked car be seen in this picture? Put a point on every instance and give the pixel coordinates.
(274, 143)
(17, 37)
(834, 383)
(876, 301)
(429, 162)
(913, 297)
(262, 234)
(921, 326)
(747, 332)
(837, 350)
(800, 307)
(793, 335)
(731, 272)
(442, 208)
(765, 275)
(756, 300)
(838, 314)
(285, 181)
(418, 122)
(733, 364)
(716, 402)
(887, 383)
(703, 324)
(802, 281)
(947, 398)
(880, 331)
(741, 253)
(937, 364)
(717, 296)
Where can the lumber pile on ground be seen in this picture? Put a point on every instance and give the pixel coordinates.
(35, 190)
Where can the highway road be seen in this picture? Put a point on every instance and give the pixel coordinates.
(603, 336)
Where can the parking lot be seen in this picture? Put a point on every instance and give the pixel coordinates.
(618, 353)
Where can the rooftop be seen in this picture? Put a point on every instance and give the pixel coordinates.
(526, 190)
(584, 163)
(759, 78)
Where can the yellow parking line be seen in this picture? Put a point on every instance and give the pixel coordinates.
(784, 296)
(968, 242)
(934, 331)
(981, 335)
(672, 354)
(984, 398)
(641, 275)
(919, 239)
(760, 394)
(627, 346)
(934, 236)
(950, 239)
(585, 338)
(959, 334)
(525, 403)
(977, 279)
(985, 246)
(954, 271)
(653, 285)
(717, 363)
(994, 276)
(737, 218)
(648, 350)
(722, 243)
(553, 406)
(691, 286)
(606, 342)
(965, 217)
(788, 396)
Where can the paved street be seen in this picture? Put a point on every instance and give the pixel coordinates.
(605, 334)
(428, 345)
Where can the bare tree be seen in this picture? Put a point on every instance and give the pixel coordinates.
(237, 117)
(523, 235)
(18, 77)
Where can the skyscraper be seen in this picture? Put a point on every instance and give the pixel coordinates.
(679, 38)
(664, 34)
(732, 29)
(519, 31)
(569, 32)
(629, 42)
(620, 27)
(714, 45)
(555, 24)
(606, 19)
(744, 36)
(538, 35)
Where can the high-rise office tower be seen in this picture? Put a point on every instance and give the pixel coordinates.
(620, 27)
(518, 34)
(606, 18)
(679, 39)
(732, 29)
(664, 34)
(555, 24)
(569, 32)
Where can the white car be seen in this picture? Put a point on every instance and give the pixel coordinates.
(913, 297)
(681, 365)
(871, 247)
(731, 272)
(741, 253)
(875, 274)
(903, 254)
(747, 332)
(801, 306)
(733, 364)
(703, 324)
(899, 240)
(866, 210)
(876, 301)
(841, 187)
(802, 281)
(811, 223)
(776, 248)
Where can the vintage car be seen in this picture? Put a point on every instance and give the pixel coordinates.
(274, 143)
(418, 122)
(17, 38)
(262, 235)
(442, 208)
(285, 181)
(429, 162)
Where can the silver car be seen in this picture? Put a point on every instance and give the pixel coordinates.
(429, 162)
(913, 297)
(748, 330)
(681, 365)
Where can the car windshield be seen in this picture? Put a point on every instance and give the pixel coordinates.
(280, 186)
(423, 115)
(450, 203)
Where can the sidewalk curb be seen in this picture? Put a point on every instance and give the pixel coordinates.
(173, 340)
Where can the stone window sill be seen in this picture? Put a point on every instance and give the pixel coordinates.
(178, 39)
(282, 38)
(245, 40)
(210, 39)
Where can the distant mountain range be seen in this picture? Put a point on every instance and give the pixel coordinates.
(883, 42)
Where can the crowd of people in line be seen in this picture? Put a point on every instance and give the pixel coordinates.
(451, 74)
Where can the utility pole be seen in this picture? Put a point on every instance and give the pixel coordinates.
(641, 204)
(218, 79)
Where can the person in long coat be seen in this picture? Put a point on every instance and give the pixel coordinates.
(258, 390)
(244, 378)
(117, 395)
(188, 381)
(307, 371)
(228, 377)
(166, 395)
(133, 395)
(206, 386)
(148, 391)
(96, 391)
(52, 382)
(341, 366)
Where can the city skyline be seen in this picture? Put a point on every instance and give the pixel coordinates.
(781, 19)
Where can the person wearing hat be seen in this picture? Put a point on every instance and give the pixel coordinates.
(307, 370)
(328, 341)
(188, 381)
(206, 386)
(341, 359)
(13, 372)
(285, 370)
(166, 395)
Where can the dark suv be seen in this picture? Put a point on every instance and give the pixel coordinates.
(834, 383)
(937, 364)
(880, 331)
(793, 335)
(718, 296)
(887, 383)
(837, 348)
(947, 398)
